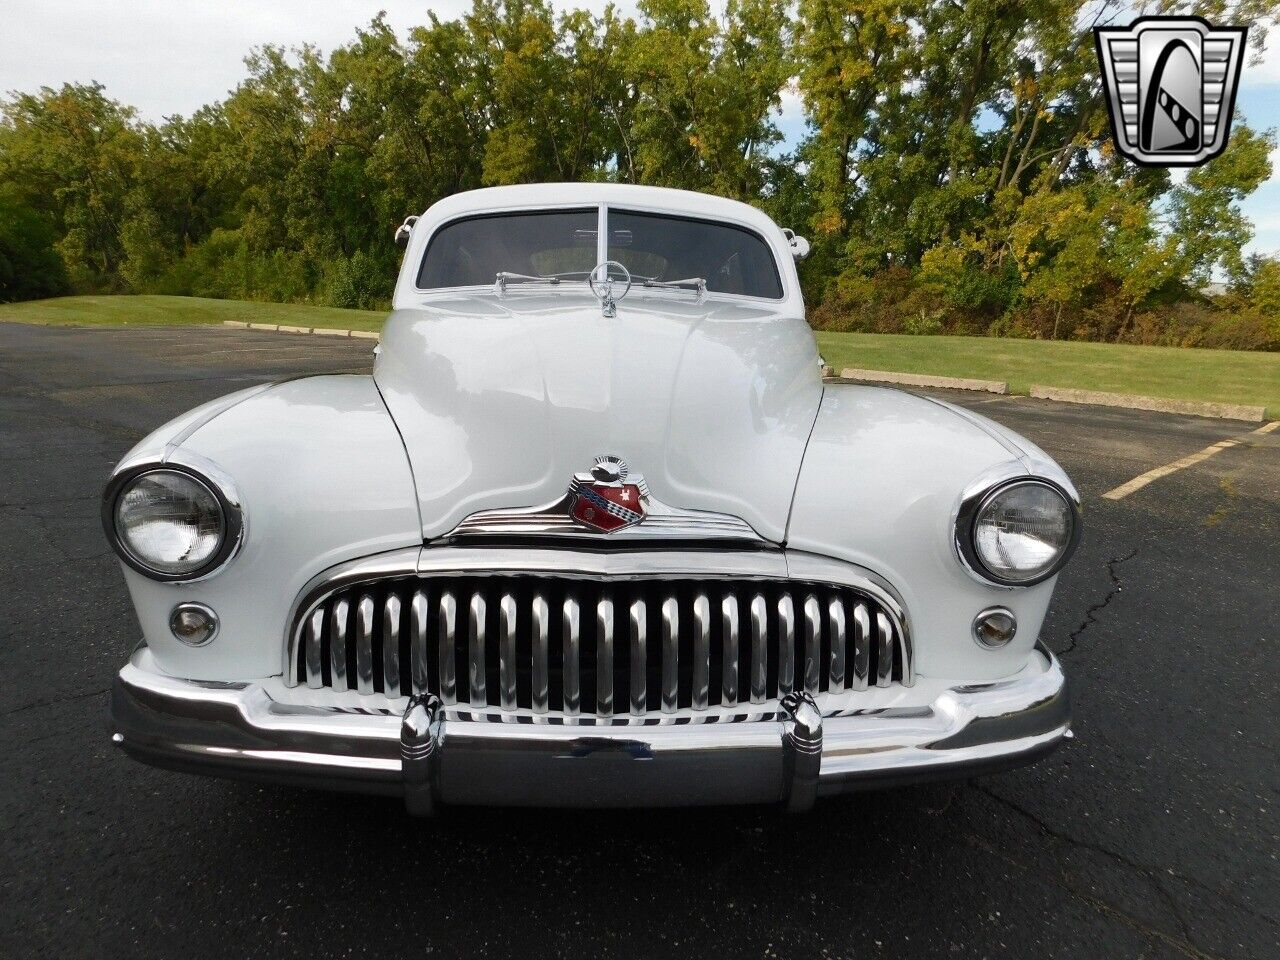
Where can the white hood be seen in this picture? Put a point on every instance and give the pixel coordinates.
(501, 400)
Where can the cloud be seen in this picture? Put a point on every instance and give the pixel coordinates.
(165, 57)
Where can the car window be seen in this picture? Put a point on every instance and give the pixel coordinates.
(472, 252)
(657, 247)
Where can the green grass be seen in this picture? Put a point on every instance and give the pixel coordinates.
(154, 311)
(1225, 376)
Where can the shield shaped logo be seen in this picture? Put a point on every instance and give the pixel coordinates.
(608, 498)
(1170, 84)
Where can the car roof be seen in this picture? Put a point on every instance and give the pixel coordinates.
(686, 202)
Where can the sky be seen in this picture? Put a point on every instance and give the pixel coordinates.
(173, 56)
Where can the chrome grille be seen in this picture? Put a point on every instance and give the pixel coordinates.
(636, 647)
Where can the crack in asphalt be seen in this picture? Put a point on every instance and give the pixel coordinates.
(1152, 874)
(1090, 615)
(37, 704)
(1184, 947)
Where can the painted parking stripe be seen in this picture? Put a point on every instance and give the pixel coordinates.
(1140, 481)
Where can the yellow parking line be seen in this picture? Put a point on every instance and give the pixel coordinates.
(1140, 481)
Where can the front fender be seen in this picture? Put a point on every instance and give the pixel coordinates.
(880, 486)
(323, 478)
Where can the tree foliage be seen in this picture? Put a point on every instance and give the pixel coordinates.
(957, 172)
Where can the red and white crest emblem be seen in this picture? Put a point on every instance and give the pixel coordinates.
(607, 499)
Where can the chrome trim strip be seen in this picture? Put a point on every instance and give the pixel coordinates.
(339, 620)
(571, 643)
(812, 644)
(759, 649)
(391, 645)
(604, 657)
(639, 658)
(364, 645)
(661, 522)
(729, 645)
(861, 647)
(507, 652)
(786, 645)
(315, 625)
(701, 651)
(419, 641)
(476, 612)
(835, 613)
(670, 655)
(884, 651)
(448, 639)
(541, 619)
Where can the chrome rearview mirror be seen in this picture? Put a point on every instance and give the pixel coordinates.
(799, 245)
(403, 232)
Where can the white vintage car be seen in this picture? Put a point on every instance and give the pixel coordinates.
(594, 533)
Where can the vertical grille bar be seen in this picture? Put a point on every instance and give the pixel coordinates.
(391, 645)
(701, 651)
(639, 657)
(338, 643)
(884, 651)
(604, 657)
(364, 645)
(541, 617)
(314, 660)
(861, 646)
(835, 613)
(507, 651)
(759, 648)
(448, 643)
(670, 655)
(786, 645)
(906, 658)
(419, 625)
(475, 646)
(729, 641)
(572, 640)
(812, 644)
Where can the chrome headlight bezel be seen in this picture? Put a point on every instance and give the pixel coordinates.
(208, 476)
(975, 501)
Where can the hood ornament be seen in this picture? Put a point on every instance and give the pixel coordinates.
(608, 498)
(605, 280)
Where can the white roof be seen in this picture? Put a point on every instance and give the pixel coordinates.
(619, 194)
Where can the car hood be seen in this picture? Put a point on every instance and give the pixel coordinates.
(500, 400)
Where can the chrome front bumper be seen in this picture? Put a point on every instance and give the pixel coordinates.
(787, 753)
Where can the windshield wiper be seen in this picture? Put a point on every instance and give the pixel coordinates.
(697, 284)
(504, 278)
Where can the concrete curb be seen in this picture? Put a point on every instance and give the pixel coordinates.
(921, 380)
(1195, 408)
(316, 331)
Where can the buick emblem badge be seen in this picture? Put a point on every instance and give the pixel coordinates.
(609, 498)
(1170, 85)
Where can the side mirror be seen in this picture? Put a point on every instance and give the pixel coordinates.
(404, 230)
(799, 245)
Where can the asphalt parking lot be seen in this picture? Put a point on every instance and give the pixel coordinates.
(1154, 834)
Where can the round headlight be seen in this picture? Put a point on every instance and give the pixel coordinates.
(169, 523)
(1023, 532)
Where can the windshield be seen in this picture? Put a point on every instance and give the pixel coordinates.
(656, 248)
(665, 248)
(472, 252)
